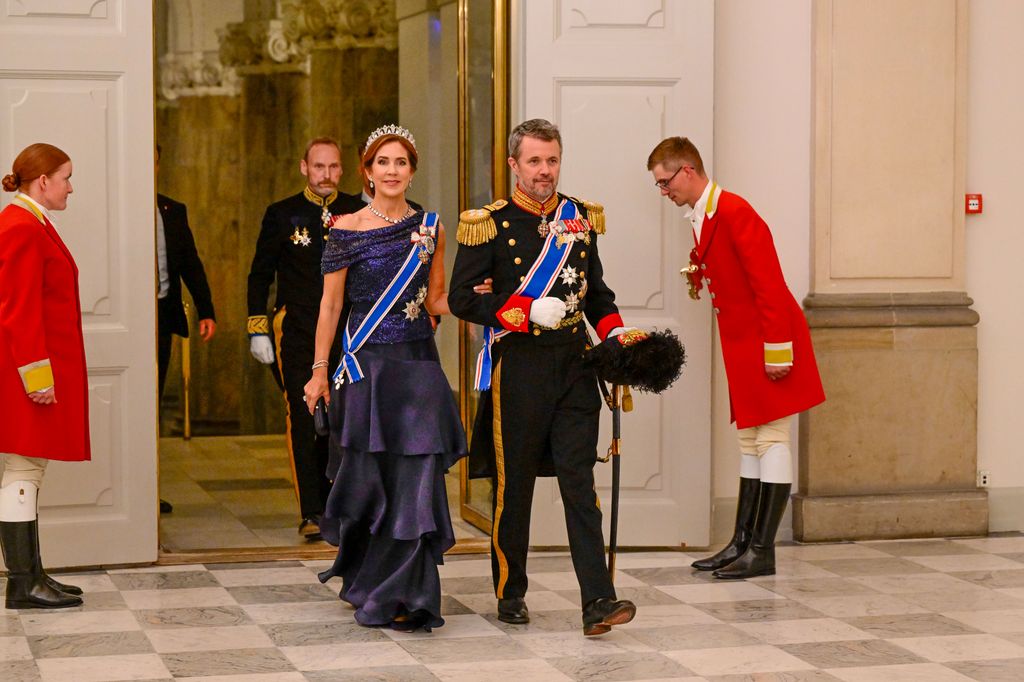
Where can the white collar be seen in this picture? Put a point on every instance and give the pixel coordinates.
(700, 208)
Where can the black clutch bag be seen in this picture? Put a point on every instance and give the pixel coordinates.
(320, 423)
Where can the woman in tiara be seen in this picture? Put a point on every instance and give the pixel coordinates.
(395, 428)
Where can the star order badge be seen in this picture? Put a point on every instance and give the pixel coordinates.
(412, 310)
(301, 238)
(569, 275)
(572, 303)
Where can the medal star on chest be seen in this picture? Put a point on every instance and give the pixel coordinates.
(301, 238)
(569, 275)
(572, 303)
(412, 310)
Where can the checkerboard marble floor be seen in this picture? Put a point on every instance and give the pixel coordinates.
(903, 610)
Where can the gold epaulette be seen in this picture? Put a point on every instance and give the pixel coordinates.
(476, 226)
(595, 213)
(258, 324)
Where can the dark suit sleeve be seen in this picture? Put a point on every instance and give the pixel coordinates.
(264, 264)
(192, 271)
(601, 311)
(473, 264)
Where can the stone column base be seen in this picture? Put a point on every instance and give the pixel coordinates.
(881, 517)
(892, 453)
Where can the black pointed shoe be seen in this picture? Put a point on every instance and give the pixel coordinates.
(62, 587)
(513, 610)
(599, 615)
(759, 559)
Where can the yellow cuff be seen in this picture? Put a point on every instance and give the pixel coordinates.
(258, 324)
(36, 376)
(778, 353)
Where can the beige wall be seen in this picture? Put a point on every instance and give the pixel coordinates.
(995, 244)
(763, 153)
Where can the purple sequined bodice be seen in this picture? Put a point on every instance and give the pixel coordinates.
(373, 257)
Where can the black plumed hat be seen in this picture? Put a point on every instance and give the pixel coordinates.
(647, 361)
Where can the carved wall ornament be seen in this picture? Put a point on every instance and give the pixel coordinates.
(195, 74)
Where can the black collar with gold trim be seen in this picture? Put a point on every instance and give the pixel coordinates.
(314, 198)
(531, 205)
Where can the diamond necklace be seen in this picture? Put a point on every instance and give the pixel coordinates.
(393, 221)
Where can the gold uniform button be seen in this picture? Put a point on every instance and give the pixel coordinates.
(511, 242)
(583, 254)
(518, 261)
(504, 223)
(574, 329)
(522, 278)
(536, 332)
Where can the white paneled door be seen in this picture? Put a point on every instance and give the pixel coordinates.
(79, 74)
(618, 77)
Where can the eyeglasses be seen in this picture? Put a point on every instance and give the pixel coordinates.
(663, 184)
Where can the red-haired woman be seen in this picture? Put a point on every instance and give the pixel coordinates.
(395, 427)
(43, 384)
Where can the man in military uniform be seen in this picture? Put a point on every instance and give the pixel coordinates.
(289, 249)
(540, 407)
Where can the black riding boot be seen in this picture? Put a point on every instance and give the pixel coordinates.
(26, 586)
(759, 559)
(52, 582)
(746, 511)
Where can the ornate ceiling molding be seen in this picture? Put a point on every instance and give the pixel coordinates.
(275, 45)
(304, 26)
(195, 74)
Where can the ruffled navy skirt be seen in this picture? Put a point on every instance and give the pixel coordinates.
(393, 436)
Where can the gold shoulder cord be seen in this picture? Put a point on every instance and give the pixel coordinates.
(476, 226)
(595, 213)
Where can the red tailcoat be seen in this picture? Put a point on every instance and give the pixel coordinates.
(754, 307)
(40, 334)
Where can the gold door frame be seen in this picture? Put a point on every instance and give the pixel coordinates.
(499, 185)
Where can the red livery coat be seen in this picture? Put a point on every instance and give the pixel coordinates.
(40, 321)
(754, 307)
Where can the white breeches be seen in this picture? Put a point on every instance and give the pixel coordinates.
(19, 486)
(765, 453)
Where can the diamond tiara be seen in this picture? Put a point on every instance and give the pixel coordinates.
(390, 130)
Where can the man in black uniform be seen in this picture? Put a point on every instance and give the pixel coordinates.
(289, 249)
(177, 259)
(540, 415)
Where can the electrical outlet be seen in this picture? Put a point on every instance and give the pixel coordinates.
(983, 478)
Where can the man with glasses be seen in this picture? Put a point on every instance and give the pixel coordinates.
(766, 346)
(539, 406)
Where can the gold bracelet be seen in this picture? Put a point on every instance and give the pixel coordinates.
(320, 363)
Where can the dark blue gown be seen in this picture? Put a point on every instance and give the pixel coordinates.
(394, 434)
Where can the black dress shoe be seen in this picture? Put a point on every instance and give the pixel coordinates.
(309, 528)
(513, 611)
(601, 614)
(166, 507)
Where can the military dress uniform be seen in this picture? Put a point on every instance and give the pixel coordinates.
(541, 414)
(289, 248)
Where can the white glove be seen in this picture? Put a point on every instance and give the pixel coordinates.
(261, 348)
(547, 311)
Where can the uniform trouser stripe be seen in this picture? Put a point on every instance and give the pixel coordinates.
(278, 332)
(499, 492)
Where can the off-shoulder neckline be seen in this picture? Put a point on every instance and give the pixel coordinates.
(375, 229)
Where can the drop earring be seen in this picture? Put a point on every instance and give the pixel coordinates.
(371, 184)
(410, 184)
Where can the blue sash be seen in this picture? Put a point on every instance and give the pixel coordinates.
(539, 280)
(419, 255)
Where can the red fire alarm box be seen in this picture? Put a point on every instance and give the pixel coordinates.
(973, 203)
